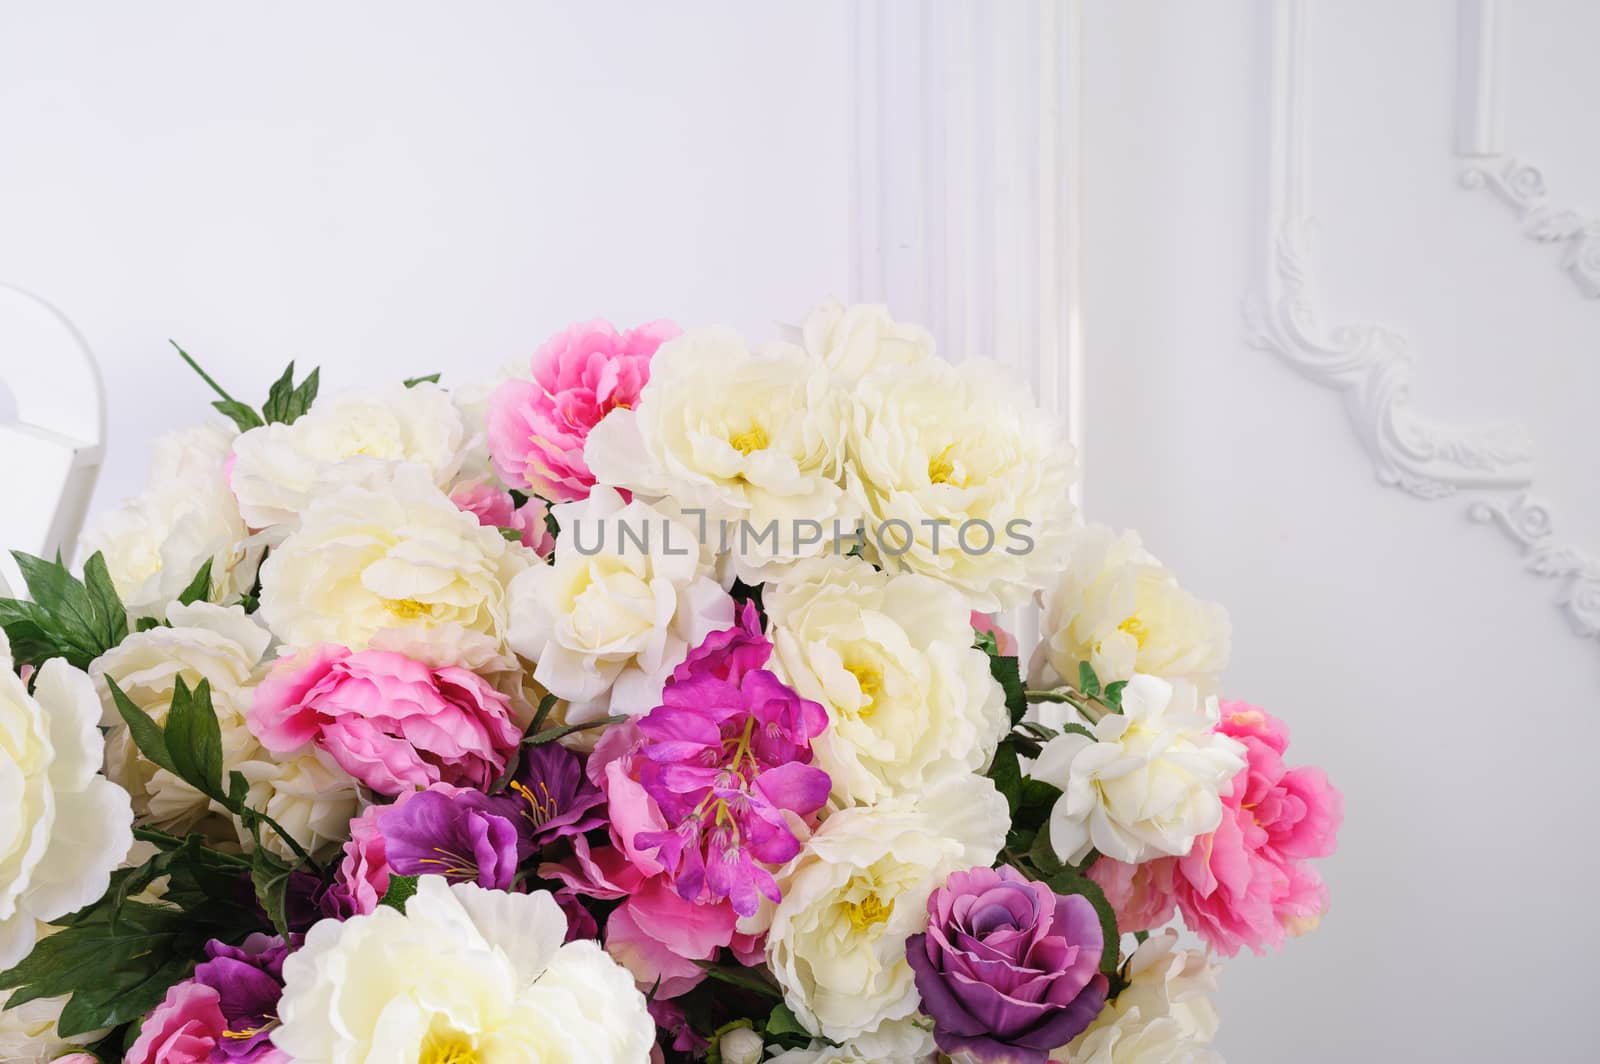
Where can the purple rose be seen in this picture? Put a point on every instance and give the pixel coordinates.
(248, 980)
(1008, 970)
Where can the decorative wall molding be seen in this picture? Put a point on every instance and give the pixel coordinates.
(1372, 366)
(1516, 183)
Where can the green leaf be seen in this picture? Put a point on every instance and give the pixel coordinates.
(108, 610)
(1043, 855)
(1006, 773)
(1113, 695)
(285, 402)
(241, 415)
(744, 978)
(1007, 674)
(270, 877)
(401, 889)
(542, 714)
(145, 624)
(412, 382)
(782, 1021)
(194, 739)
(146, 733)
(550, 735)
(79, 623)
(1071, 881)
(199, 588)
(1074, 728)
(32, 633)
(1088, 682)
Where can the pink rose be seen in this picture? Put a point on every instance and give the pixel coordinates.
(537, 428)
(495, 508)
(1250, 882)
(183, 1029)
(1004, 641)
(392, 722)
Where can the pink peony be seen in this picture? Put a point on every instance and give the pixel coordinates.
(537, 428)
(494, 507)
(393, 723)
(363, 876)
(183, 1029)
(1248, 883)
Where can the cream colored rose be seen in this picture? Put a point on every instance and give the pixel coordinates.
(308, 794)
(223, 645)
(366, 559)
(754, 440)
(65, 827)
(627, 596)
(1163, 1016)
(355, 439)
(1118, 608)
(28, 1032)
(859, 889)
(156, 541)
(853, 341)
(890, 657)
(960, 479)
(1149, 782)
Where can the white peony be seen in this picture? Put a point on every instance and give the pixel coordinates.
(756, 441)
(309, 795)
(1163, 1016)
(355, 439)
(627, 596)
(65, 827)
(1118, 608)
(853, 341)
(907, 1041)
(156, 541)
(465, 974)
(28, 1032)
(222, 645)
(891, 659)
(859, 889)
(400, 554)
(960, 478)
(1148, 783)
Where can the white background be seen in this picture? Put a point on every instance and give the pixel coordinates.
(401, 188)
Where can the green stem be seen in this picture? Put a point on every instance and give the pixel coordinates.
(299, 850)
(219, 389)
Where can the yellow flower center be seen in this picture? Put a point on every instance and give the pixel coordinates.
(1135, 627)
(868, 912)
(750, 440)
(941, 470)
(406, 609)
(448, 1048)
(870, 680)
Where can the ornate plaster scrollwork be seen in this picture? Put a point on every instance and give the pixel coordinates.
(1521, 187)
(1528, 522)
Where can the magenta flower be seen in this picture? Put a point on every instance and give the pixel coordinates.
(537, 428)
(726, 755)
(248, 980)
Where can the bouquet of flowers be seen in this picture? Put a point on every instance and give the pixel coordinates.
(646, 704)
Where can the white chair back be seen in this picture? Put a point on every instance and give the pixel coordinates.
(51, 448)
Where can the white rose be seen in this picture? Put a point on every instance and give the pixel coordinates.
(896, 1042)
(222, 645)
(627, 596)
(400, 554)
(755, 440)
(853, 341)
(65, 826)
(741, 1045)
(859, 889)
(891, 659)
(1163, 1016)
(960, 478)
(465, 974)
(156, 541)
(355, 439)
(28, 1032)
(1148, 783)
(1118, 608)
(309, 795)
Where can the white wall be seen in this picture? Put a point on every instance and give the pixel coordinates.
(397, 188)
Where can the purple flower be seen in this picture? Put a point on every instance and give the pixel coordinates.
(726, 756)
(552, 796)
(1008, 970)
(248, 980)
(465, 836)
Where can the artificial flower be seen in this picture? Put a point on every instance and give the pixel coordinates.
(859, 890)
(184, 1029)
(307, 793)
(494, 507)
(755, 441)
(958, 481)
(358, 439)
(853, 341)
(393, 723)
(628, 594)
(908, 1041)
(1148, 783)
(462, 974)
(1118, 608)
(396, 555)
(1007, 969)
(538, 427)
(66, 826)
(248, 980)
(890, 657)
(28, 1033)
(1163, 1016)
